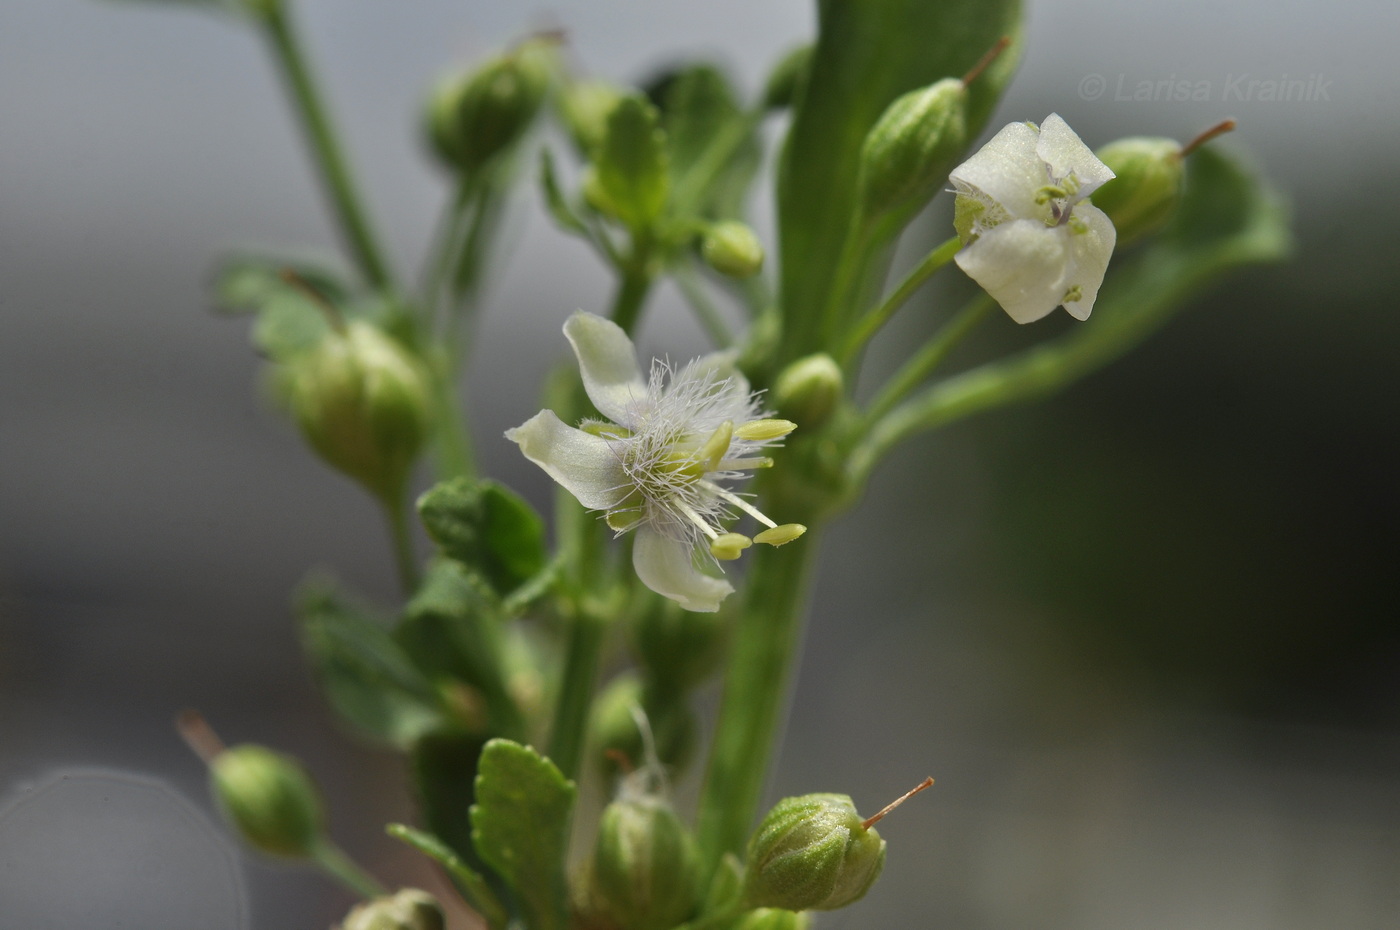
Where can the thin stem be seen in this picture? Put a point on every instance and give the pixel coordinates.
(325, 148)
(452, 447)
(694, 292)
(633, 288)
(755, 695)
(335, 863)
(582, 655)
(923, 364)
(870, 324)
(396, 512)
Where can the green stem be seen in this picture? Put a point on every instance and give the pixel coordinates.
(870, 324)
(694, 292)
(452, 445)
(755, 695)
(340, 867)
(633, 288)
(325, 149)
(582, 655)
(914, 371)
(396, 511)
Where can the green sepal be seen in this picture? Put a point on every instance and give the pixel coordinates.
(631, 170)
(520, 827)
(469, 882)
(287, 319)
(554, 199)
(365, 675)
(487, 527)
(714, 152)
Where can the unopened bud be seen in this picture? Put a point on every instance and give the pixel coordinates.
(269, 798)
(772, 918)
(363, 403)
(788, 77)
(808, 390)
(911, 148)
(407, 909)
(732, 249)
(645, 870)
(812, 853)
(474, 117)
(1147, 189)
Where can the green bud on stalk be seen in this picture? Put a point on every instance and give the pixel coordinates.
(645, 869)
(1150, 176)
(474, 117)
(773, 918)
(732, 249)
(269, 799)
(809, 390)
(407, 909)
(363, 403)
(908, 153)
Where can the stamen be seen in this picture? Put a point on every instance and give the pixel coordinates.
(762, 461)
(695, 518)
(739, 502)
(714, 448)
(780, 535)
(729, 546)
(763, 430)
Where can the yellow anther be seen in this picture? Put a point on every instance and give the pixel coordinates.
(714, 448)
(623, 520)
(729, 546)
(761, 430)
(779, 535)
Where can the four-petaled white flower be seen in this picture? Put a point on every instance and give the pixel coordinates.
(1036, 242)
(660, 466)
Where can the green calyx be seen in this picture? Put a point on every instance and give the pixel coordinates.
(908, 153)
(812, 853)
(1147, 187)
(645, 867)
(809, 390)
(269, 798)
(732, 249)
(474, 117)
(407, 909)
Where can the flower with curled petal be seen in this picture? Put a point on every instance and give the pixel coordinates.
(660, 463)
(1034, 241)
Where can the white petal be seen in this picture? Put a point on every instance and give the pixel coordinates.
(1008, 170)
(1022, 264)
(1061, 148)
(667, 566)
(1089, 254)
(586, 465)
(608, 363)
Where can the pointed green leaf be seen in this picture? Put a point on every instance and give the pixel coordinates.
(632, 171)
(487, 527)
(714, 150)
(868, 53)
(520, 826)
(365, 674)
(469, 882)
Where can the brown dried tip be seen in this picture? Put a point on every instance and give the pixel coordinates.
(199, 735)
(1219, 129)
(328, 310)
(623, 761)
(986, 60)
(871, 821)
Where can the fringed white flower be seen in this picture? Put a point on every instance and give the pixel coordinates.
(1035, 242)
(661, 463)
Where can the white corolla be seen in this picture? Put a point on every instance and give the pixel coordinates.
(660, 463)
(1034, 241)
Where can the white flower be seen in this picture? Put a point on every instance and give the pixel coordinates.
(1036, 241)
(660, 466)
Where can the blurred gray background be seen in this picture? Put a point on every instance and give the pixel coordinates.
(1143, 634)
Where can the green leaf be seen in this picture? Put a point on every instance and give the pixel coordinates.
(632, 171)
(520, 826)
(487, 527)
(365, 674)
(469, 882)
(1228, 218)
(868, 53)
(554, 198)
(714, 150)
(288, 319)
(451, 631)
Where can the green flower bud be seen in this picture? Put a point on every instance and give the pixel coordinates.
(645, 870)
(363, 403)
(808, 391)
(732, 249)
(584, 107)
(787, 78)
(812, 853)
(908, 153)
(615, 725)
(472, 118)
(1147, 189)
(407, 909)
(772, 918)
(269, 799)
